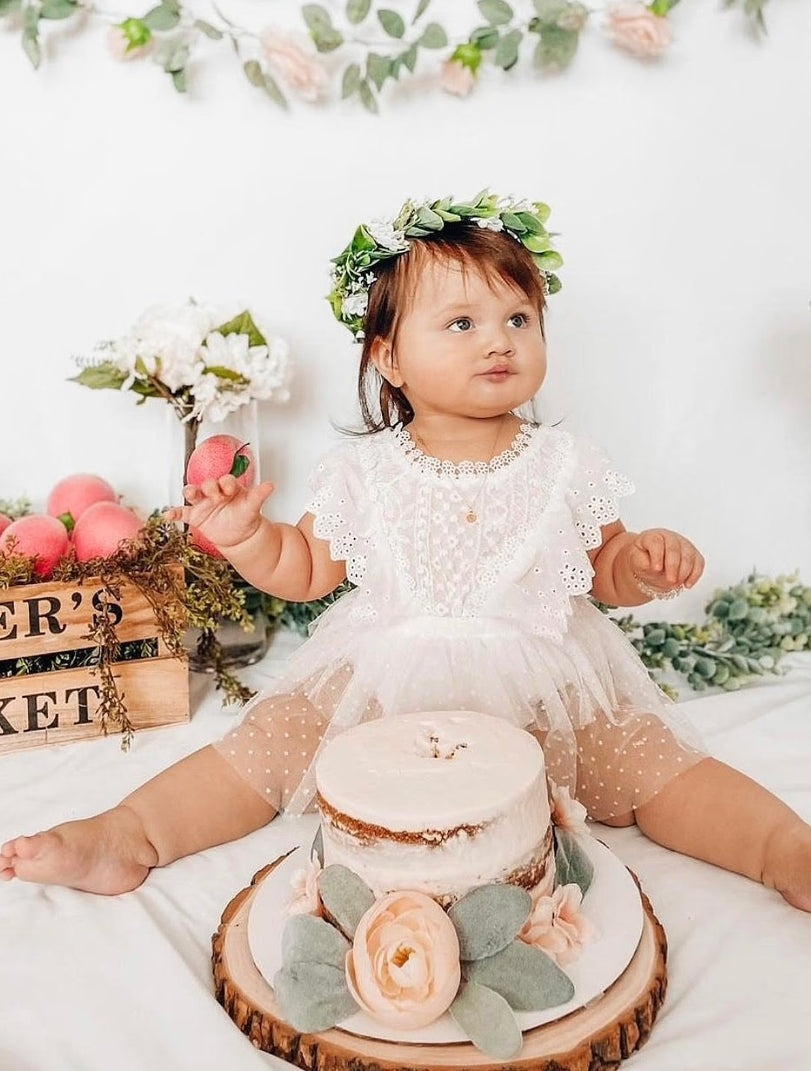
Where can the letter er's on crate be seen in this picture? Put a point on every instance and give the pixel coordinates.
(46, 698)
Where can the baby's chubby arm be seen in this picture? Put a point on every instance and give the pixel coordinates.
(285, 560)
(661, 559)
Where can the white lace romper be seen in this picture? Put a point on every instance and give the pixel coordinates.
(450, 613)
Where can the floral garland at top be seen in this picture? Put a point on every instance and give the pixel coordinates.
(381, 240)
(279, 63)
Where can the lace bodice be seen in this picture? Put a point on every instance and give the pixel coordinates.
(506, 539)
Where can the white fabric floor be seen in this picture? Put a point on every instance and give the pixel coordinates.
(91, 983)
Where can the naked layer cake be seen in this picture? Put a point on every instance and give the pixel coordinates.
(436, 802)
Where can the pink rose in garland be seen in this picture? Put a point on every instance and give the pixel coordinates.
(298, 68)
(403, 967)
(639, 29)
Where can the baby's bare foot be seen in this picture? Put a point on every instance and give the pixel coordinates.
(788, 864)
(107, 854)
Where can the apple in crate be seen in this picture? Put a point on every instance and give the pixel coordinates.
(37, 536)
(101, 529)
(72, 496)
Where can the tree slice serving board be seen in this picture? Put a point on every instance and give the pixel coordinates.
(597, 1037)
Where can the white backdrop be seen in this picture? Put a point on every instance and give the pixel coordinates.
(681, 339)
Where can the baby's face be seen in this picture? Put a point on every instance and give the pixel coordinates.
(468, 345)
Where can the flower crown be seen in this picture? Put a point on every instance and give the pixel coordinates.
(379, 240)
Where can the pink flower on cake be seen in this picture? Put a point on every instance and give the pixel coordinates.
(304, 883)
(403, 967)
(568, 813)
(634, 27)
(298, 68)
(557, 926)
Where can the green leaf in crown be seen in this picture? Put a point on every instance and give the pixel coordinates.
(353, 271)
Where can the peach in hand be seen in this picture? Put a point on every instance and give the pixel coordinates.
(221, 455)
(43, 538)
(72, 496)
(101, 529)
(200, 541)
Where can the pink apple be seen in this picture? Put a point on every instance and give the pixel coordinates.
(217, 456)
(36, 536)
(101, 528)
(72, 496)
(4, 522)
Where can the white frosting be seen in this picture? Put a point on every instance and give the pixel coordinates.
(435, 772)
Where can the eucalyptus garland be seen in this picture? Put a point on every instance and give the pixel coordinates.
(368, 45)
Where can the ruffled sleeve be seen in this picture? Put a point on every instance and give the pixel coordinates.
(335, 502)
(594, 492)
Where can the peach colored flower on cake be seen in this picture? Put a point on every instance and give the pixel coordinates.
(634, 27)
(557, 926)
(304, 883)
(568, 813)
(457, 79)
(297, 67)
(403, 967)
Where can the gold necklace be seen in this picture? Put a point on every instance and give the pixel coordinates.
(471, 515)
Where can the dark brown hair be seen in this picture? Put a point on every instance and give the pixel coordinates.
(496, 253)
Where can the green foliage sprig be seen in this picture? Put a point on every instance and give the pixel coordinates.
(369, 45)
(15, 508)
(748, 629)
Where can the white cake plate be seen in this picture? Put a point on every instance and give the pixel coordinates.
(613, 904)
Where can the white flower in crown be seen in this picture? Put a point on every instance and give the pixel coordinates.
(493, 223)
(355, 304)
(386, 235)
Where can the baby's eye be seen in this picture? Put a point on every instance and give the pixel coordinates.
(519, 319)
(463, 323)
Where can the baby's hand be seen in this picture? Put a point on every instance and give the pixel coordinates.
(224, 512)
(664, 560)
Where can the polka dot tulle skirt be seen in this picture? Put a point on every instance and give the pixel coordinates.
(607, 731)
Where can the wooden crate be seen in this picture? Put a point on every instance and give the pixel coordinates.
(58, 706)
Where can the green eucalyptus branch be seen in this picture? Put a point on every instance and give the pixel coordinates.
(373, 45)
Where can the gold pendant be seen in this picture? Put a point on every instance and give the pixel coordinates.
(471, 516)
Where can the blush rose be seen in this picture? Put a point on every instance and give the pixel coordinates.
(403, 968)
(634, 27)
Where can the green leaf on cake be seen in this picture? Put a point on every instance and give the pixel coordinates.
(526, 977)
(313, 996)
(488, 1020)
(488, 918)
(318, 846)
(307, 939)
(572, 864)
(346, 898)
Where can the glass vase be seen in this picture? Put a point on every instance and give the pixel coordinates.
(239, 646)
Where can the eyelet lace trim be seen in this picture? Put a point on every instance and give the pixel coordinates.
(461, 469)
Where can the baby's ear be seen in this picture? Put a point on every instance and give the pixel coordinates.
(384, 360)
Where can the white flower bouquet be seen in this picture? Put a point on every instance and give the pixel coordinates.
(203, 363)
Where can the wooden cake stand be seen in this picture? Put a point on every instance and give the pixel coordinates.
(597, 1037)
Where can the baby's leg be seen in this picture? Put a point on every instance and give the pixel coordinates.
(195, 804)
(717, 814)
